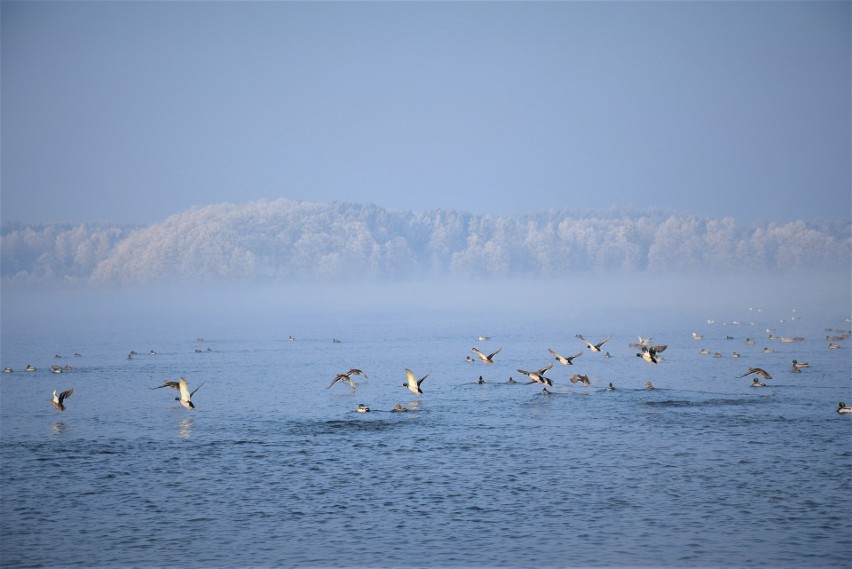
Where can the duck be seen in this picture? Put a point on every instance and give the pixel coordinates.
(484, 338)
(594, 347)
(468, 359)
(58, 401)
(489, 359)
(562, 359)
(342, 377)
(356, 371)
(757, 383)
(610, 387)
(545, 391)
(799, 365)
(362, 408)
(31, 367)
(511, 380)
(398, 407)
(649, 386)
(833, 346)
(735, 354)
(185, 395)
(7, 370)
(757, 370)
(538, 375)
(768, 350)
(649, 354)
(412, 383)
(480, 380)
(55, 369)
(581, 379)
(697, 336)
(842, 408)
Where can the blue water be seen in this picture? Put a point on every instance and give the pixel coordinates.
(273, 468)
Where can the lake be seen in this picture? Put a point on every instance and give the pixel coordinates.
(275, 468)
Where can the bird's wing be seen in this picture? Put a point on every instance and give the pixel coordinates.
(167, 383)
(555, 354)
(543, 370)
(602, 342)
(660, 348)
(64, 394)
(494, 354)
(185, 395)
(419, 381)
(588, 343)
(409, 376)
(196, 389)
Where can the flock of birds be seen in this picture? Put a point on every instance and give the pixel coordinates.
(648, 351)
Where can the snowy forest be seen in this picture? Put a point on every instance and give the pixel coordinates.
(288, 240)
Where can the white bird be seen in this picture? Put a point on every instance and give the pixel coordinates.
(413, 383)
(185, 395)
(594, 347)
(58, 400)
(562, 359)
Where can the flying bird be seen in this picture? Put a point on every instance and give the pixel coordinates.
(759, 371)
(185, 395)
(581, 379)
(342, 377)
(594, 347)
(413, 383)
(166, 383)
(649, 354)
(489, 359)
(562, 359)
(538, 375)
(58, 401)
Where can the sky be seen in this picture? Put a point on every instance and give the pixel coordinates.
(132, 111)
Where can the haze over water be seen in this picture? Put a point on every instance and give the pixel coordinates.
(275, 468)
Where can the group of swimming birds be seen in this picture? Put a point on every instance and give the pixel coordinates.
(647, 351)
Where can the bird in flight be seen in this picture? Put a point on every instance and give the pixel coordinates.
(757, 370)
(538, 375)
(413, 383)
(58, 401)
(562, 359)
(489, 359)
(594, 347)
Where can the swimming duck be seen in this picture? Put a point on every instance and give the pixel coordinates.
(538, 375)
(799, 365)
(30, 367)
(594, 347)
(484, 338)
(697, 336)
(400, 408)
(562, 359)
(833, 346)
(480, 380)
(768, 350)
(649, 386)
(58, 402)
(489, 359)
(511, 380)
(412, 383)
(55, 369)
(581, 379)
(610, 387)
(7, 370)
(362, 408)
(759, 371)
(185, 395)
(735, 354)
(842, 408)
(468, 359)
(757, 383)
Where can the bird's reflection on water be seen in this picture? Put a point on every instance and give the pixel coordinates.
(185, 428)
(57, 428)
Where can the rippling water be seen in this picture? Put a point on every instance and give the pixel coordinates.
(274, 468)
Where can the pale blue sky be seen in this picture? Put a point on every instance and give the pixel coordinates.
(129, 112)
